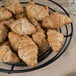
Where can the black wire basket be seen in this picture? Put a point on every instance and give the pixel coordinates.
(49, 56)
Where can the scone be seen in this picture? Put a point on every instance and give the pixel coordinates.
(55, 39)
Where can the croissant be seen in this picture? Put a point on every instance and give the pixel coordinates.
(14, 6)
(55, 39)
(4, 14)
(13, 39)
(36, 11)
(6, 55)
(3, 33)
(55, 20)
(28, 51)
(40, 39)
(23, 26)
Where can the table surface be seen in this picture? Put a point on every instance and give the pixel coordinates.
(64, 66)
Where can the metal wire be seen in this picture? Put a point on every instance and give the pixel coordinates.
(48, 52)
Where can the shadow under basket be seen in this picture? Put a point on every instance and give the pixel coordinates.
(49, 56)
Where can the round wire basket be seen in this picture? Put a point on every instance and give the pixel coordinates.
(49, 56)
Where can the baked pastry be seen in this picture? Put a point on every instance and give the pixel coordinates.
(40, 39)
(6, 55)
(55, 39)
(39, 29)
(22, 45)
(34, 21)
(14, 6)
(56, 20)
(23, 27)
(7, 22)
(4, 14)
(21, 15)
(36, 11)
(13, 39)
(3, 33)
(29, 31)
(28, 51)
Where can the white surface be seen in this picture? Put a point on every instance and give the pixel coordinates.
(64, 66)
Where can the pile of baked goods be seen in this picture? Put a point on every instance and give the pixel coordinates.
(27, 32)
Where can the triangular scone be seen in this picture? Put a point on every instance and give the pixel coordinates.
(6, 55)
(36, 11)
(56, 20)
(4, 14)
(13, 39)
(55, 39)
(28, 51)
(3, 33)
(23, 26)
(14, 6)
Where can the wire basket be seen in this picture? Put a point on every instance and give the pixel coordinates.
(49, 56)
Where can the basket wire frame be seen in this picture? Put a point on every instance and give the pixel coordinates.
(48, 52)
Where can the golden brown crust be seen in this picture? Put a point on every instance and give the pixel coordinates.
(23, 27)
(14, 6)
(21, 15)
(7, 22)
(13, 39)
(3, 33)
(28, 51)
(36, 11)
(39, 29)
(31, 31)
(55, 39)
(6, 55)
(55, 20)
(34, 21)
(4, 14)
(40, 40)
